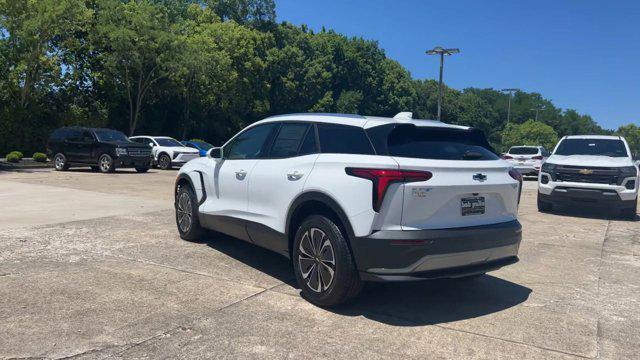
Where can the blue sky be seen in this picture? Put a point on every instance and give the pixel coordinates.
(583, 55)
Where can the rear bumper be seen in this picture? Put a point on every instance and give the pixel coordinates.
(428, 254)
(586, 196)
(527, 169)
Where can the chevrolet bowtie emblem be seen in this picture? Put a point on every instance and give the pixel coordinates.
(586, 171)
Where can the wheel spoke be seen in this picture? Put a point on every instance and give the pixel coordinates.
(326, 275)
(306, 247)
(306, 266)
(314, 279)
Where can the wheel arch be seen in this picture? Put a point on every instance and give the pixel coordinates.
(192, 178)
(315, 203)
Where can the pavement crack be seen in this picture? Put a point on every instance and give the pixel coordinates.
(598, 291)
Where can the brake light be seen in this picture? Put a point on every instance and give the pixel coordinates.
(515, 174)
(383, 178)
(537, 157)
(507, 157)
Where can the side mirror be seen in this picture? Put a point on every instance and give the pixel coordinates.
(151, 144)
(215, 153)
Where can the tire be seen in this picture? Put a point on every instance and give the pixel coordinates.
(544, 206)
(322, 288)
(630, 213)
(142, 169)
(60, 162)
(95, 168)
(164, 162)
(186, 205)
(105, 164)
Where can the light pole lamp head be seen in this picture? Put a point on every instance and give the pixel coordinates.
(439, 50)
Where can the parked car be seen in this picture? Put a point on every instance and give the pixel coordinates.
(526, 159)
(590, 170)
(201, 146)
(103, 150)
(351, 198)
(166, 152)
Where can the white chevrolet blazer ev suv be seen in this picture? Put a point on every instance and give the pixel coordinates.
(352, 198)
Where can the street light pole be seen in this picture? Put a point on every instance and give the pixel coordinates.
(438, 50)
(510, 91)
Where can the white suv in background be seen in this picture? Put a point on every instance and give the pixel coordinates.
(351, 198)
(166, 151)
(526, 159)
(590, 170)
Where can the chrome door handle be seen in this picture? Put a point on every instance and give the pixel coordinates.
(296, 175)
(241, 174)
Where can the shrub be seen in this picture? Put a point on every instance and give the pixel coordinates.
(13, 157)
(17, 153)
(39, 157)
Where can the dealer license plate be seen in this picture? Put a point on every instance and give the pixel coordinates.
(472, 205)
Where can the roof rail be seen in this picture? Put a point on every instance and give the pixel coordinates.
(407, 115)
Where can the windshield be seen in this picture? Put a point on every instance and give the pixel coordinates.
(603, 147)
(168, 142)
(111, 135)
(438, 143)
(203, 145)
(522, 150)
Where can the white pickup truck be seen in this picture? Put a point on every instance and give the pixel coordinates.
(590, 170)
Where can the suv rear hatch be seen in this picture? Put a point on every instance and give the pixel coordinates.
(470, 185)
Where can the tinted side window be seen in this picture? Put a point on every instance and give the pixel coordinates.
(249, 144)
(288, 140)
(73, 135)
(343, 139)
(59, 134)
(309, 143)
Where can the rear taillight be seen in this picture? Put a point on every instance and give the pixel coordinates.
(507, 157)
(382, 178)
(515, 174)
(537, 158)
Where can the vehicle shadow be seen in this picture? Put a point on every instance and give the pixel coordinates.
(118, 171)
(399, 304)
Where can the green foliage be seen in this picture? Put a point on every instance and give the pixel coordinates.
(530, 132)
(208, 68)
(39, 157)
(14, 156)
(631, 133)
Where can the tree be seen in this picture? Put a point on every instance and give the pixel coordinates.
(530, 132)
(136, 46)
(631, 133)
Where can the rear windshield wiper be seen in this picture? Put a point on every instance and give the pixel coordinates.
(472, 155)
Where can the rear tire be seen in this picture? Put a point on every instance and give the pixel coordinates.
(60, 162)
(164, 162)
(544, 206)
(322, 263)
(142, 169)
(186, 206)
(105, 163)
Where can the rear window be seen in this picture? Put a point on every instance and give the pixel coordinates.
(344, 139)
(521, 150)
(435, 143)
(602, 147)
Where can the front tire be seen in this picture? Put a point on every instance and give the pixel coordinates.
(142, 169)
(322, 262)
(60, 162)
(187, 214)
(544, 206)
(105, 163)
(630, 213)
(164, 162)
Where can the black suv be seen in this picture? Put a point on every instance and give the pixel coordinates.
(102, 149)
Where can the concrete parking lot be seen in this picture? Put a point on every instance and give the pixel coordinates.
(91, 266)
